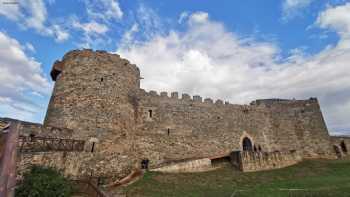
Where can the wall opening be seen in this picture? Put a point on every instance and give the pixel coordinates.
(337, 151)
(93, 147)
(259, 148)
(144, 164)
(343, 147)
(221, 161)
(150, 113)
(168, 131)
(31, 137)
(247, 144)
(102, 79)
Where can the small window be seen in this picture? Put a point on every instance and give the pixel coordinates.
(102, 79)
(168, 131)
(144, 164)
(93, 147)
(150, 114)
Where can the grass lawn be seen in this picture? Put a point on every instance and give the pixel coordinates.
(316, 178)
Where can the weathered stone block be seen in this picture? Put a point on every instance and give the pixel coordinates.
(175, 95)
(208, 100)
(197, 98)
(186, 97)
(164, 94)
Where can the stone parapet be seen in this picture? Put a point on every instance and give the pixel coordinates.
(258, 161)
(196, 165)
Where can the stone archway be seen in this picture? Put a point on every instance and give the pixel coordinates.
(247, 144)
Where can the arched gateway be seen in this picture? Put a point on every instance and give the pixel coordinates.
(247, 144)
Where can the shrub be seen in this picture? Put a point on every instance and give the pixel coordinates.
(44, 182)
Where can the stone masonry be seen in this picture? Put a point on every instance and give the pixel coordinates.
(97, 96)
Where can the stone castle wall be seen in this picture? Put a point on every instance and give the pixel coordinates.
(97, 95)
(192, 128)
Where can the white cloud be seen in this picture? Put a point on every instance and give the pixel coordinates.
(19, 74)
(37, 14)
(29, 47)
(183, 17)
(93, 33)
(336, 18)
(59, 34)
(207, 59)
(10, 10)
(292, 8)
(104, 9)
(128, 36)
(33, 14)
(199, 17)
(149, 21)
(102, 15)
(91, 27)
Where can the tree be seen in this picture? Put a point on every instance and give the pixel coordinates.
(44, 182)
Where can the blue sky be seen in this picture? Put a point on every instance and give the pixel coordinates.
(233, 50)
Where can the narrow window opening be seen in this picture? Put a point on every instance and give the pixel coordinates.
(144, 164)
(259, 148)
(31, 137)
(93, 147)
(150, 113)
(168, 131)
(102, 79)
(255, 149)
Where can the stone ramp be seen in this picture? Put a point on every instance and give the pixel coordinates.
(193, 165)
(132, 177)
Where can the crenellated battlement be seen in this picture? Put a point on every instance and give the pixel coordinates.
(277, 101)
(174, 96)
(184, 98)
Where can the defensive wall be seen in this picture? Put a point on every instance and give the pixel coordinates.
(97, 98)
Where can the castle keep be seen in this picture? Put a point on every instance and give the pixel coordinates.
(97, 99)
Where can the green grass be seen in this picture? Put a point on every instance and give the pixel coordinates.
(316, 178)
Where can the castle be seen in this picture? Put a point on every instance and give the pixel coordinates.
(97, 99)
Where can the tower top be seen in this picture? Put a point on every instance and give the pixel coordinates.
(59, 65)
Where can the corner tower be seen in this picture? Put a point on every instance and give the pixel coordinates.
(93, 93)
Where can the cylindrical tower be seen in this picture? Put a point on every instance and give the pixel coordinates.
(93, 94)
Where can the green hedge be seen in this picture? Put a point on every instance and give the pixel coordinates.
(44, 182)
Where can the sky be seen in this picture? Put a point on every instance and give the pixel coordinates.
(236, 51)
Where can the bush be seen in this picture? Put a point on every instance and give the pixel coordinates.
(44, 182)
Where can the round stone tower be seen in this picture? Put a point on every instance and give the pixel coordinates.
(94, 94)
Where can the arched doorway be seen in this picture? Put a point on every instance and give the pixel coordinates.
(343, 147)
(247, 144)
